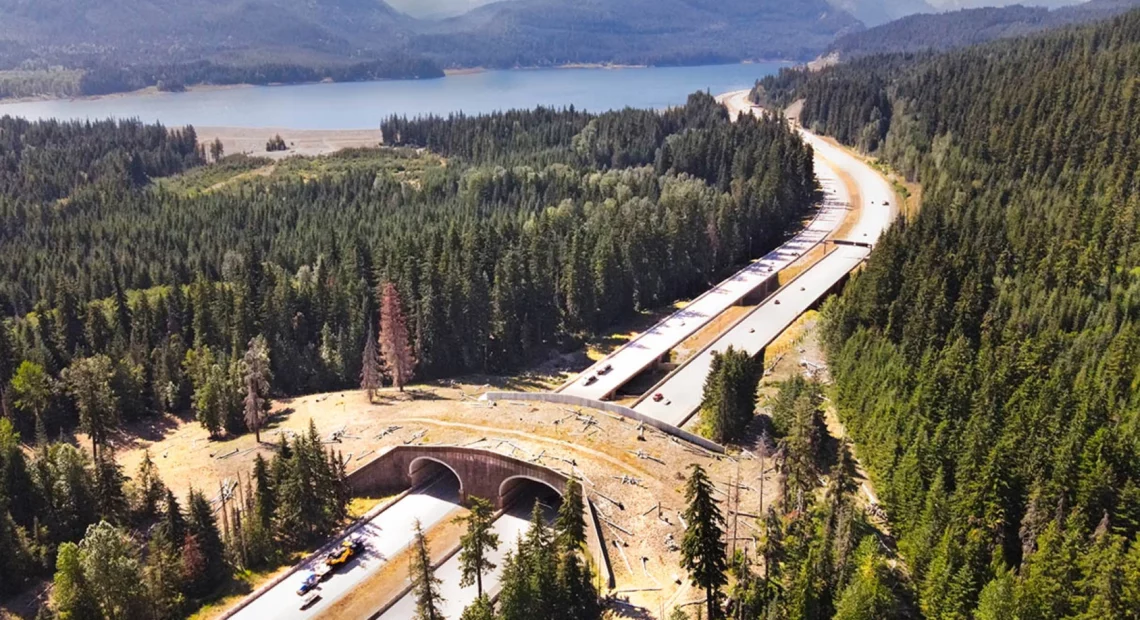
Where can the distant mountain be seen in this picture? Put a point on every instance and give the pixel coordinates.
(436, 9)
(875, 12)
(943, 31)
(174, 30)
(954, 5)
(43, 33)
(553, 32)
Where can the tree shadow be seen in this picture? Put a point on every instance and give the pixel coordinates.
(622, 608)
(150, 429)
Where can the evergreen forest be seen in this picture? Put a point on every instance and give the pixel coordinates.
(512, 237)
(986, 362)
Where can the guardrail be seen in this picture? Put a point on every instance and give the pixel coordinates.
(736, 274)
(578, 401)
(731, 326)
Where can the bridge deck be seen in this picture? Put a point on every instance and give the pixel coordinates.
(651, 345)
(682, 390)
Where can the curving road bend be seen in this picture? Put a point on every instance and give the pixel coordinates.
(385, 536)
(682, 390)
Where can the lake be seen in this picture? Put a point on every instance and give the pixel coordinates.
(362, 105)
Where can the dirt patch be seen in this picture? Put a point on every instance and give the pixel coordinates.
(635, 484)
(307, 142)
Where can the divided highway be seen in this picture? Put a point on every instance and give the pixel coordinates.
(648, 347)
(510, 526)
(390, 532)
(681, 392)
(385, 536)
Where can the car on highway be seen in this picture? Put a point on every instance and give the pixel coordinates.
(658, 397)
(340, 556)
(312, 580)
(310, 600)
(590, 380)
(605, 369)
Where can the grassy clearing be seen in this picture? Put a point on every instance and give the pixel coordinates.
(235, 170)
(359, 506)
(204, 178)
(407, 164)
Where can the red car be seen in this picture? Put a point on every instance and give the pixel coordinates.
(658, 397)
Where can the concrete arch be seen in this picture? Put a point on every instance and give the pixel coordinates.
(417, 474)
(511, 485)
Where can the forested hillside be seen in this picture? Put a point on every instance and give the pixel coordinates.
(986, 362)
(654, 32)
(944, 31)
(65, 48)
(544, 225)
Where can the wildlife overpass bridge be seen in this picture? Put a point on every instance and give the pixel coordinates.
(481, 473)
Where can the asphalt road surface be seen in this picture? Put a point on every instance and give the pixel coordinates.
(512, 524)
(682, 390)
(651, 345)
(385, 536)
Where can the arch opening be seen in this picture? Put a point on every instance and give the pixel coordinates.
(519, 494)
(437, 476)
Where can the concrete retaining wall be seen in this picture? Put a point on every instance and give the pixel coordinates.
(485, 473)
(481, 473)
(578, 401)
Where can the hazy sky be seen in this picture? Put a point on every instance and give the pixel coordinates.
(449, 8)
(436, 8)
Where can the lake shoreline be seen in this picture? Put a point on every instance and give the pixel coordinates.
(153, 91)
(366, 105)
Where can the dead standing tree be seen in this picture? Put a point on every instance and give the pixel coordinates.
(395, 347)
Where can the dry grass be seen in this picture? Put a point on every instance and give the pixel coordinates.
(604, 452)
(300, 141)
(710, 332)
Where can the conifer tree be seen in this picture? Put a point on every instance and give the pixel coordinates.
(370, 374)
(173, 522)
(162, 577)
(7, 356)
(516, 600)
(702, 547)
(541, 561)
(202, 528)
(476, 543)
(570, 524)
(425, 585)
(147, 489)
(479, 609)
(577, 597)
(395, 345)
(257, 380)
(110, 499)
(265, 495)
(729, 400)
(88, 381)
